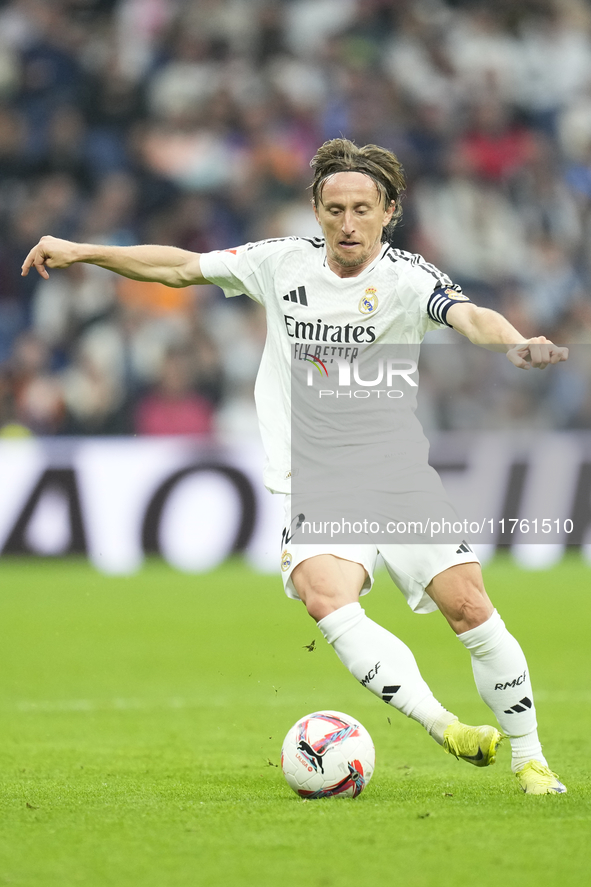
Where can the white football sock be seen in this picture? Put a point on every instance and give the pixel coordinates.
(383, 664)
(502, 678)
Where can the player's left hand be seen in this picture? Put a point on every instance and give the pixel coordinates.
(537, 352)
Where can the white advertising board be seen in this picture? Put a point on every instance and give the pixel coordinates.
(117, 500)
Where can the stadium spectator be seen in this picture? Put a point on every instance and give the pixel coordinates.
(194, 123)
(173, 407)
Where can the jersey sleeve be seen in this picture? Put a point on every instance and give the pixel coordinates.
(246, 269)
(434, 291)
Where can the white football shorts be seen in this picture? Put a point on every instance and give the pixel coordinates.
(411, 566)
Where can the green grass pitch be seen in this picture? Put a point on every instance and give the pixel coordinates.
(142, 718)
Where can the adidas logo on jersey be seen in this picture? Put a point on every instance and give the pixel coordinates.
(464, 548)
(299, 296)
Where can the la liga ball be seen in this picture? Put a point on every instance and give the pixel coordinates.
(328, 754)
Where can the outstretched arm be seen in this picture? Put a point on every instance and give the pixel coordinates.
(160, 264)
(491, 330)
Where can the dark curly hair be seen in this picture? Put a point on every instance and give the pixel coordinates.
(343, 155)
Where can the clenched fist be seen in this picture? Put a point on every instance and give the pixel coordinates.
(51, 252)
(537, 352)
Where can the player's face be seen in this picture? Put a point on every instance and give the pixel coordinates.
(352, 216)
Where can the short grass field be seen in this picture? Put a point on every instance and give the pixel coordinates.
(141, 722)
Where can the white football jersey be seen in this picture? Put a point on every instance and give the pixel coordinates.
(395, 300)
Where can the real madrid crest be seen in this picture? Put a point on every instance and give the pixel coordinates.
(285, 560)
(369, 302)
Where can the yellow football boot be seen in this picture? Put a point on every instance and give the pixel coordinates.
(537, 779)
(477, 745)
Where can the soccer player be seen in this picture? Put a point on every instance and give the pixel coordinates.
(320, 285)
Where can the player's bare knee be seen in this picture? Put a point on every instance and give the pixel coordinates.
(460, 595)
(470, 608)
(319, 607)
(326, 583)
(320, 596)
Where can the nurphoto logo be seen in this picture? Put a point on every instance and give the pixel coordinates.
(387, 372)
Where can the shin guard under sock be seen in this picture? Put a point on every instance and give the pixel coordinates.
(385, 665)
(502, 679)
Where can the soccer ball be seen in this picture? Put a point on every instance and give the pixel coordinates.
(326, 754)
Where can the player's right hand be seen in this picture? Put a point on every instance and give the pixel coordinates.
(50, 252)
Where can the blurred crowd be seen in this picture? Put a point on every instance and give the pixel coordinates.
(193, 122)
